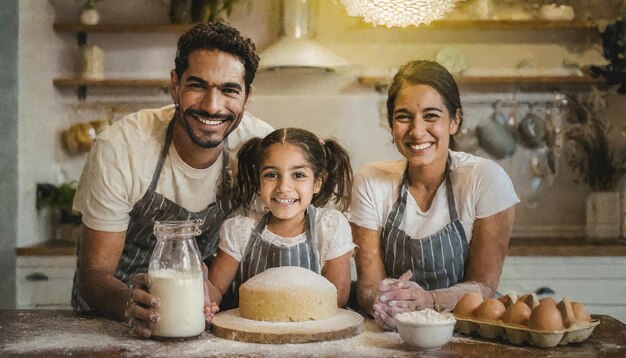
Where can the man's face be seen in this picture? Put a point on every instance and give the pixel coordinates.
(212, 96)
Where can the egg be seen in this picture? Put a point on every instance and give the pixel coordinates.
(567, 313)
(531, 300)
(546, 317)
(467, 304)
(508, 299)
(549, 300)
(490, 310)
(518, 313)
(580, 312)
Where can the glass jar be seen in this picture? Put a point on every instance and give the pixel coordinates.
(176, 274)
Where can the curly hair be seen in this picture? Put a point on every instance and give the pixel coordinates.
(328, 160)
(217, 36)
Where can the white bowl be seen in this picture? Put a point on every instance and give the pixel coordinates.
(424, 335)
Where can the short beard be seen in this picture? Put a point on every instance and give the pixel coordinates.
(199, 141)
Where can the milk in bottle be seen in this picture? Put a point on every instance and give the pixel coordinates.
(176, 274)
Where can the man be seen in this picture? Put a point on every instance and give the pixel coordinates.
(171, 163)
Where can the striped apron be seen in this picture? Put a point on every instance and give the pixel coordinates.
(438, 260)
(140, 240)
(261, 255)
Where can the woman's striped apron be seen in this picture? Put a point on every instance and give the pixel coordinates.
(438, 260)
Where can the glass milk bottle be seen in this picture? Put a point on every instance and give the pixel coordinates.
(176, 273)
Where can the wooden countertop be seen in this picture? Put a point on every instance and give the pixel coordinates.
(41, 333)
(517, 247)
(564, 247)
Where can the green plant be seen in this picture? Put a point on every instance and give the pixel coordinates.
(58, 198)
(614, 50)
(210, 10)
(596, 155)
(89, 5)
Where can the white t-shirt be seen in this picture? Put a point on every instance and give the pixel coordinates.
(334, 236)
(481, 188)
(122, 161)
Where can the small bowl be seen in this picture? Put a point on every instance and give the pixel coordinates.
(425, 335)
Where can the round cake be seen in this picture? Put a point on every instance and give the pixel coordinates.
(287, 294)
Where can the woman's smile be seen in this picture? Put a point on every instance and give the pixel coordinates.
(417, 147)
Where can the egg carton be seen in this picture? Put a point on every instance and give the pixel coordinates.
(576, 333)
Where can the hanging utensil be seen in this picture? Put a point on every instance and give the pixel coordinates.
(543, 162)
(494, 138)
(532, 130)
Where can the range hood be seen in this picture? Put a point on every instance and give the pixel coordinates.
(295, 49)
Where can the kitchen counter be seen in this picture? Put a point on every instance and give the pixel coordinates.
(54, 333)
(517, 247)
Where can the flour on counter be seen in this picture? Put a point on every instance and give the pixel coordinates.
(96, 335)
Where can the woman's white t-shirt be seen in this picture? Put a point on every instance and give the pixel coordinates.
(481, 188)
(334, 236)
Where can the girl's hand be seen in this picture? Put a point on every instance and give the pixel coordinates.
(210, 308)
(209, 311)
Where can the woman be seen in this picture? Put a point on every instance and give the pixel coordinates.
(435, 225)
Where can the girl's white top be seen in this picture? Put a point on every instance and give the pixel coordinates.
(334, 236)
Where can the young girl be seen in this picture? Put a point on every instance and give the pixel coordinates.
(295, 174)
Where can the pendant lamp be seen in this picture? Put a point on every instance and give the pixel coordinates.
(400, 13)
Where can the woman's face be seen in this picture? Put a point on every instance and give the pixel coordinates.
(422, 125)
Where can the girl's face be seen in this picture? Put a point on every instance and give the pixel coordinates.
(422, 125)
(287, 181)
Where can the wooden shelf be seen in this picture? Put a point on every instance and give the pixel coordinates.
(381, 83)
(112, 82)
(81, 85)
(512, 24)
(438, 25)
(130, 28)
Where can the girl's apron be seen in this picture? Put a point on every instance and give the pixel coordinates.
(261, 255)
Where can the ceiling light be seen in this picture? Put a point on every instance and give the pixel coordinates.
(399, 12)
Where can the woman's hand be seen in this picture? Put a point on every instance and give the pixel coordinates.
(397, 296)
(139, 312)
(210, 308)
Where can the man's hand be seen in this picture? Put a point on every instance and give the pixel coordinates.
(140, 307)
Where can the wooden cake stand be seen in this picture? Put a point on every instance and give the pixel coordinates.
(230, 325)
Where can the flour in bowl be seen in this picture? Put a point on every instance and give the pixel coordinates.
(427, 315)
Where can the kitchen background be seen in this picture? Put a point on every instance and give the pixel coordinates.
(346, 103)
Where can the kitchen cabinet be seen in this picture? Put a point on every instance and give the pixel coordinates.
(599, 282)
(44, 282)
(379, 83)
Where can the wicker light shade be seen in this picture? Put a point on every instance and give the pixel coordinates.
(399, 12)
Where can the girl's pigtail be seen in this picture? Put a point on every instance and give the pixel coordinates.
(338, 177)
(247, 180)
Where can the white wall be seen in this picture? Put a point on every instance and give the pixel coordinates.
(327, 103)
(40, 114)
